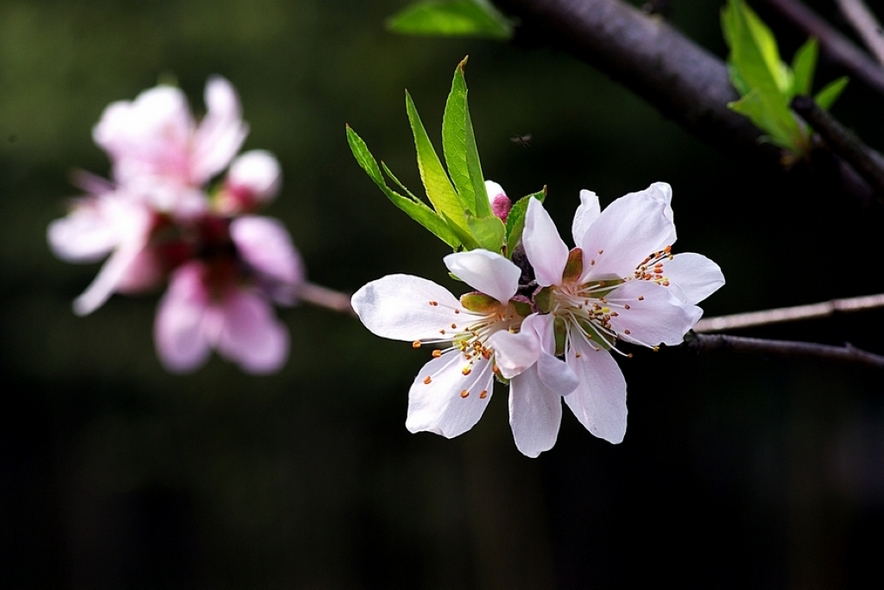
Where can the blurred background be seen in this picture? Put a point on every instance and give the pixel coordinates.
(736, 471)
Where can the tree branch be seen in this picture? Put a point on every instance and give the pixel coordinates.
(327, 298)
(684, 81)
(865, 24)
(841, 141)
(789, 314)
(838, 47)
(846, 353)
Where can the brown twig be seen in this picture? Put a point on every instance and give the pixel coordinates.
(654, 60)
(789, 314)
(838, 47)
(841, 141)
(865, 24)
(846, 353)
(327, 298)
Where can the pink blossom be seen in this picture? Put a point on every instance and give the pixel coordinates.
(225, 301)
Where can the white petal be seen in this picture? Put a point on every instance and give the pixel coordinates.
(657, 318)
(599, 402)
(586, 214)
(554, 373)
(402, 307)
(696, 276)
(181, 329)
(494, 190)
(514, 353)
(628, 230)
(112, 273)
(251, 335)
(265, 245)
(85, 235)
(439, 406)
(220, 134)
(535, 413)
(546, 251)
(487, 272)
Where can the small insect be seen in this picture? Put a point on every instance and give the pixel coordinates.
(522, 140)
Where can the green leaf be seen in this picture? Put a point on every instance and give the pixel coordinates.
(515, 221)
(776, 120)
(413, 207)
(436, 183)
(489, 232)
(830, 93)
(459, 147)
(754, 50)
(476, 18)
(803, 67)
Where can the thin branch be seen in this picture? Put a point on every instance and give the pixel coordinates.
(789, 314)
(865, 24)
(846, 353)
(838, 47)
(864, 160)
(327, 298)
(683, 80)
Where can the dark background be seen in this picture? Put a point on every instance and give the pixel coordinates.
(736, 471)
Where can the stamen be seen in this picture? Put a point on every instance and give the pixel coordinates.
(427, 380)
(437, 353)
(464, 394)
(434, 303)
(483, 394)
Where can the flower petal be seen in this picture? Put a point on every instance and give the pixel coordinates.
(84, 235)
(265, 245)
(546, 251)
(181, 327)
(487, 272)
(695, 275)
(553, 372)
(514, 353)
(436, 402)
(655, 315)
(586, 214)
(628, 230)
(405, 307)
(254, 178)
(251, 335)
(535, 413)
(599, 402)
(220, 134)
(112, 274)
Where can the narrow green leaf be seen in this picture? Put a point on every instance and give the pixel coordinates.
(515, 221)
(754, 50)
(414, 208)
(489, 232)
(803, 67)
(830, 93)
(476, 18)
(436, 183)
(459, 147)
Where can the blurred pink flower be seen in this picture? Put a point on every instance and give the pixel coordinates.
(225, 300)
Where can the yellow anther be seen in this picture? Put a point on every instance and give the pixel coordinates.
(427, 380)
(464, 394)
(416, 344)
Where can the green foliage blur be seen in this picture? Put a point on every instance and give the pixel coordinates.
(115, 474)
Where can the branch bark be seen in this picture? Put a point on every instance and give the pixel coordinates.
(846, 353)
(654, 60)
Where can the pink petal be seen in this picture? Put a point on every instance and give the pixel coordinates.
(84, 235)
(265, 245)
(655, 315)
(438, 405)
(553, 372)
(486, 271)
(220, 134)
(254, 177)
(250, 333)
(405, 307)
(546, 251)
(182, 325)
(627, 231)
(588, 211)
(599, 402)
(696, 276)
(535, 413)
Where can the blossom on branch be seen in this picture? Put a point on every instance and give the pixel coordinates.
(481, 331)
(160, 219)
(620, 284)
